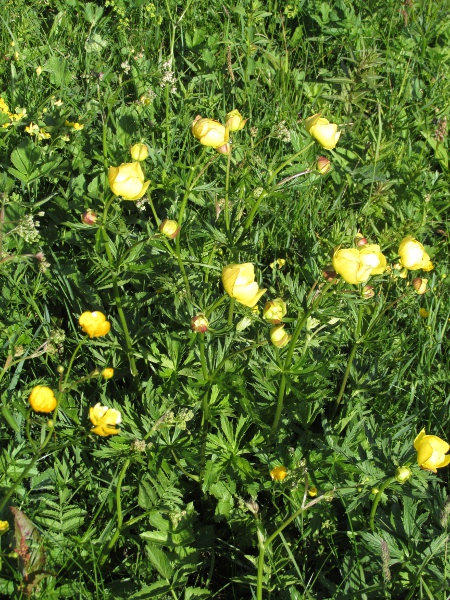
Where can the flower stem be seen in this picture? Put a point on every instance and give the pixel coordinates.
(205, 404)
(351, 357)
(227, 193)
(230, 312)
(376, 501)
(116, 535)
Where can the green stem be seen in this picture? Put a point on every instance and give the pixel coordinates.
(215, 305)
(182, 469)
(230, 312)
(377, 499)
(351, 357)
(205, 404)
(290, 353)
(116, 535)
(265, 192)
(227, 190)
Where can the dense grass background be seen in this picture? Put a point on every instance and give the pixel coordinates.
(180, 503)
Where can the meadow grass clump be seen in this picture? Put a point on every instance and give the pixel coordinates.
(224, 300)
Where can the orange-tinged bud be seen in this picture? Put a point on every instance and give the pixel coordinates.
(368, 292)
(360, 240)
(420, 285)
(224, 149)
(199, 323)
(323, 165)
(330, 274)
(139, 152)
(169, 228)
(89, 217)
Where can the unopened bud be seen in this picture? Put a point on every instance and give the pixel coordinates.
(169, 228)
(60, 369)
(224, 149)
(360, 240)
(252, 506)
(375, 491)
(139, 152)
(199, 324)
(323, 164)
(402, 474)
(420, 285)
(279, 337)
(274, 311)
(107, 373)
(368, 292)
(89, 217)
(330, 274)
(50, 423)
(312, 491)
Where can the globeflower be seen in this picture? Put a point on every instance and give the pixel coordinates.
(431, 451)
(169, 228)
(413, 256)
(356, 265)
(274, 311)
(239, 282)
(139, 152)
(199, 323)
(279, 337)
(209, 132)
(107, 373)
(323, 131)
(42, 399)
(128, 181)
(278, 473)
(94, 324)
(235, 121)
(104, 419)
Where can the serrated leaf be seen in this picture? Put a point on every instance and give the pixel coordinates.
(159, 560)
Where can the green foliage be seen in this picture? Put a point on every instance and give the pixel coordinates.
(181, 503)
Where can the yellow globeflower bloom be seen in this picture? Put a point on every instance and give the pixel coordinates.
(279, 337)
(431, 451)
(323, 131)
(239, 282)
(413, 256)
(312, 491)
(42, 399)
(209, 132)
(356, 265)
(104, 419)
(107, 373)
(94, 324)
(370, 254)
(139, 152)
(128, 181)
(278, 473)
(235, 121)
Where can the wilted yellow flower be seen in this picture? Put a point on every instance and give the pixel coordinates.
(312, 491)
(139, 152)
(42, 399)
(4, 526)
(356, 265)
(278, 473)
(235, 121)
(413, 256)
(104, 419)
(279, 337)
(74, 125)
(94, 324)
(107, 373)
(323, 131)
(274, 311)
(128, 181)
(420, 285)
(431, 451)
(423, 313)
(239, 282)
(209, 132)
(169, 228)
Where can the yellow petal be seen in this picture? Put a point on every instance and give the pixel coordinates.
(418, 439)
(424, 453)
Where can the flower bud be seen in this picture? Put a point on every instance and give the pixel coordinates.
(278, 473)
(235, 121)
(274, 311)
(42, 399)
(199, 323)
(279, 337)
(360, 240)
(420, 285)
(402, 474)
(368, 292)
(244, 323)
(330, 274)
(107, 373)
(374, 491)
(169, 228)
(312, 491)
(60, 369)
(224, 149)
(89, 217)
(139, 152)
(423, 313)
(323, 164)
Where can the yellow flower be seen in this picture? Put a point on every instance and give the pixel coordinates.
(280, 262)
(32, 129)
(356, 265)
(278, 473)
(209, 132)
(431, 451)
(235, 121)
(76, 126)
(94, 324)
(127, 181)
(312, 491)
(104, 419)
(413, 256)
(38, 70)
(139, 152)
(423, 313)
(323, 131)
(274, 311)
(4, 108)
(169, 228)
(4, 526)
(279, 337)
(107, 373)
(239, 282)
(42, 399)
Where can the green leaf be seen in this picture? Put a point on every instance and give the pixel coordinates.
(159, 560)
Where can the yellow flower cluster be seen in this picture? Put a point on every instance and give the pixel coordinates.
(214, 134)
(40, 133)
(17, 116)
(356, 265)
